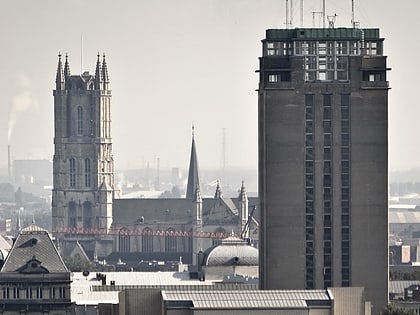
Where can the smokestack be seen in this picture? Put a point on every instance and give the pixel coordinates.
(9, 164)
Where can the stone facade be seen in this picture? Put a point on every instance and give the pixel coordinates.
(86, 207)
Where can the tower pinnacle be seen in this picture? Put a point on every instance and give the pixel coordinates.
(59, 78)
(193, 178)
(105, 77)
(66, 68)
(98, 73)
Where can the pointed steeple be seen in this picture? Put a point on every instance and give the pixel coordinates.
(105, 77)
(59, 77)
(98, 74)
(18, 225)
(66, 68)
(193, 178)
(218, 194)
(242, 192)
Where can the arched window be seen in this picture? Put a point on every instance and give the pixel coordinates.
(72, 172)
(170, 241)
(147, 240)
(124, 240)
(87, 215)
(88, 176)
(79, 120)
(72, 215)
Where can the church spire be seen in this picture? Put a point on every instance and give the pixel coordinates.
(105, 77)
(98, 73)
(66, 68)
(59, 77)
(218, 194)
(193, 178)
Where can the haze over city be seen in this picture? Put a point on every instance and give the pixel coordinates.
(177, 63)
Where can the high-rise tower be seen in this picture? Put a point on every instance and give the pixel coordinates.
(83, 166)
(323, 160)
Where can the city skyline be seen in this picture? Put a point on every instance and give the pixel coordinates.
(171, 66)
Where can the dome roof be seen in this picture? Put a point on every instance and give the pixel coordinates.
(232, 251)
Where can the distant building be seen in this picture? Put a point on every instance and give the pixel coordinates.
(323, 152)
(34, 279)
(86, 207)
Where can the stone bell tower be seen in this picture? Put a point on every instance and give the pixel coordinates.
(83, 165)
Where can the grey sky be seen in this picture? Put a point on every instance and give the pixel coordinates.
(174, 63)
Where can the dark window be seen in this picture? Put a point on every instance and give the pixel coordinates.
(309, 220)
(88, 174)
(327, 193)
(147, 240)
(309, 167)
(309, 207)
(309, 193)
(345, 180)
(345, 153)
(72, 172)
(345, 139)
(327, 153)
(345, 193)
(124, 240)
(170, 241)
(309, 233)
(327, 126)
(309, 180)
(79, 120)
(327, 167)
(327, 220)
(327, 233)
(345, 259)
(345, 234)
(345, 220)
(327, 140)
(327, 113)
(327, 180)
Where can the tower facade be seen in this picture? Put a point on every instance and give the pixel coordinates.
(83, 165)
(323, 161)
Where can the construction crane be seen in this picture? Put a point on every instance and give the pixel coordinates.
(246, 229)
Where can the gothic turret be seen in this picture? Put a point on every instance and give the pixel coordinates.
(218, 193)
(193, 178)
(98, 74)
(59, 77)
(67, 73)
(105, 77)
(243, 213)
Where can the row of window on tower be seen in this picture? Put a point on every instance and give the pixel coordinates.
(327, 195)
(323, 48)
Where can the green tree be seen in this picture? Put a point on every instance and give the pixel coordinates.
(393, 310)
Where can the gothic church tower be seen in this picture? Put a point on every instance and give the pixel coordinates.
(83, 165)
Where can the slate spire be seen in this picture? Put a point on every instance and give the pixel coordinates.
(193, 178)
(105, 77)
(66, 68)
(59, 77)
(98, 74)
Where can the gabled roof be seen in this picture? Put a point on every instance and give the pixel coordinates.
(34, 243)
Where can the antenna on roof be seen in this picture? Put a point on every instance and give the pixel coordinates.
(352, 14)
(81, 53)
(301, 13)
(323, 13)
(331, 20)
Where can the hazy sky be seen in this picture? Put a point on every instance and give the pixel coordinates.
(175, 63)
